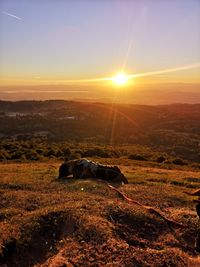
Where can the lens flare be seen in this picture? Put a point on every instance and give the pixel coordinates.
(120, 79)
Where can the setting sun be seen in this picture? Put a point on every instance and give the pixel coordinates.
(120, 79)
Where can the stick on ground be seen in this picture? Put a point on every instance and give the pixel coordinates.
(148, 208)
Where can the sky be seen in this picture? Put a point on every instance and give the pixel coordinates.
(56, 41)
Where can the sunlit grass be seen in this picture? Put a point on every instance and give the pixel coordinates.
(87, 211)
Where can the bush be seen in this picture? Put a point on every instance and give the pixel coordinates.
(59, 153)
(50, 153)
(32, 155)
(66, 152)
(137, 157)
(4, 155)
(98, 152)
(167, 162)
(178, 161)
(160, 159)
(74, 156)
(16, 155)
(196, 165)
(40, 151)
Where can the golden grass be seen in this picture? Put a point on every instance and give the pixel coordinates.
(46, 222)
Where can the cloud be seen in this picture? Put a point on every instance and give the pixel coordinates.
(11, 15)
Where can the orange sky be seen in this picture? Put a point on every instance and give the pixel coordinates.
(85, 43)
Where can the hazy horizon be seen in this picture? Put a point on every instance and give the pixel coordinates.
(153, 94)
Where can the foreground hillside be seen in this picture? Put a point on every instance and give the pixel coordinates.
(46, 222)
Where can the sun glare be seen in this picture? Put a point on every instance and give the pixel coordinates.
(120, 79)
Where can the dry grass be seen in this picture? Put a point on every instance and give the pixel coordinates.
(46, 222)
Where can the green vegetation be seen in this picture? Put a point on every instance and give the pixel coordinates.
(171, 129)
(40, 150)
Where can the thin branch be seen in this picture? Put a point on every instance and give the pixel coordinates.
(148, 208)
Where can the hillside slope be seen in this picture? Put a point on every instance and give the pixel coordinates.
(46, 222)
(174, 129)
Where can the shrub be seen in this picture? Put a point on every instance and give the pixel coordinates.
(59, 153)
(196, 165)
(32, 155)
(98, 152)
(50, 153)
(160, 159)
(136, 157)
(4, 155)
(74, 156)
(167, 162)
(179, 161)
(40, 151)
(66, 152)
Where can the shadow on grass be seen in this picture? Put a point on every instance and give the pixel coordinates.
(39, 236)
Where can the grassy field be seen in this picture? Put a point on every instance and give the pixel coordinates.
(46, 222)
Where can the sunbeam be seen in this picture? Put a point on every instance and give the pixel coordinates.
(128, 76)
